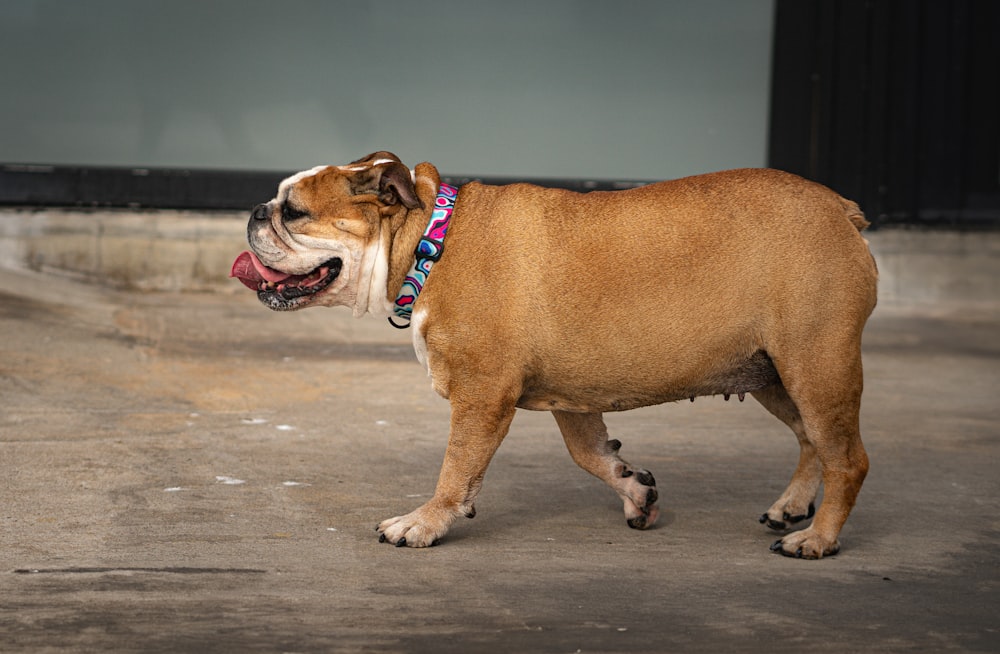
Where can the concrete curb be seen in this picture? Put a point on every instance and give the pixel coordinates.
(140, 250)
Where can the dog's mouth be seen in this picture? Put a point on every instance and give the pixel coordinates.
(279, 290)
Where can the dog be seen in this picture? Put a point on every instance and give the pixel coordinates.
(751, 281)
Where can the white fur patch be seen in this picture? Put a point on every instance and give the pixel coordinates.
(295, 179)
(373, 279)
(354, 168)
(419, 341)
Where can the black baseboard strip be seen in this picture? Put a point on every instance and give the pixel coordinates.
(30, 185)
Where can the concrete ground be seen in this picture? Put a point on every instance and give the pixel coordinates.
(189, 472)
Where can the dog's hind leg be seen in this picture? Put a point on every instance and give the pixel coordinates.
(826, 388)
(797, 503)
(587, 440)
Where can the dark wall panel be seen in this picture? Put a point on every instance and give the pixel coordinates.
(893, 103)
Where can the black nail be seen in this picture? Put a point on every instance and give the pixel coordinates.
(638, 522)
(645, 478)
(401, 542)
(381, 538)
(799, 518)
(776, 546)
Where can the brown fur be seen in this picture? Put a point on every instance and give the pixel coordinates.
(746, 281)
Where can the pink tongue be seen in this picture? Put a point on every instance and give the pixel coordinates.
(250, 271)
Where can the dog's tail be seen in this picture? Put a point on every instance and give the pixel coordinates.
(854, 214)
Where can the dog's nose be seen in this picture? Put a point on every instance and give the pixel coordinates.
(259, 212)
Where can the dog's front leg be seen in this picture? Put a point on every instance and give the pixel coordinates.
(587, 440)
(477, 429)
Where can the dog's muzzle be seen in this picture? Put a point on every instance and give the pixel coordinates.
(283, 291)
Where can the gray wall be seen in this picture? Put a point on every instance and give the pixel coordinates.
(645, 89)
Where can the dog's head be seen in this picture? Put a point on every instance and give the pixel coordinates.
(322, 240)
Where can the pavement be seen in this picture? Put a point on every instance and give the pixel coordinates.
(186, 471)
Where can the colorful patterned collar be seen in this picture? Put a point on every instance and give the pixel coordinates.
(429, 250)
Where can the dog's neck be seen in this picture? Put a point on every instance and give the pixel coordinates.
(428, 250)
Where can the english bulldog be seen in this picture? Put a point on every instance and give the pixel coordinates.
(749, 281)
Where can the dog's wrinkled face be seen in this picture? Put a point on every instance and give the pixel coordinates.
(321, 242)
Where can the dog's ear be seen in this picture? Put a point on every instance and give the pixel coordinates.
(396, 185)
(386, 177)
(375, 157)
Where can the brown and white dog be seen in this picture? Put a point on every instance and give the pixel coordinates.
(745, 281)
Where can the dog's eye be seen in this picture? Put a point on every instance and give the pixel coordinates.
(288, 213)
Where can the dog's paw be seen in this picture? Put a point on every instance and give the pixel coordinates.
(640, 497)
(420, 528)
(806, 544)
(782, 518)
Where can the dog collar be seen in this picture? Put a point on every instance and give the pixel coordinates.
(428, 251)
